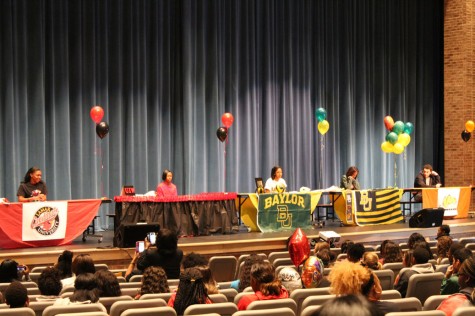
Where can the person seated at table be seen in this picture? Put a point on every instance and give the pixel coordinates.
(349, 180)
(166, 187)
(32, 188)
(16, 295)
(275, 183)
(427, 178)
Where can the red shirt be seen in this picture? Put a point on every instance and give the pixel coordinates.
(165, 189)
(258, 296)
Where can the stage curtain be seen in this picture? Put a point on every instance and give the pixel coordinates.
(165, 72)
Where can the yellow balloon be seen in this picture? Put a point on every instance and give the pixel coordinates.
(469, 126)
(404, 139)
(323, 127)
(398, 148)
(387, 147)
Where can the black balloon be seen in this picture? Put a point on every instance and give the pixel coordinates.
(102, 129)
(222, 133)
(466, 136)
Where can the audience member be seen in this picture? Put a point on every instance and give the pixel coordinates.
(86, 291)
(16, 295)
(327, 257)
(320, 246)
(345, 245)
(444, 230)
(49, 284)
(382, 249)
(193, 259)
(420, 264)
(265, 285)
(413, 238)
(191, 290)
(349, 278)
(392, 253)
(464, 296)
(154, 280)
(350, 305)
(455, 246)
(11, 271)
(443, 246)
(107, 284)
(450, 283)
(83, 263)
(355, 252)
(208, 279)
(290, 279)
(64, 264)
(407, 258)
(245, 273)
(371, 261)
(166, 255)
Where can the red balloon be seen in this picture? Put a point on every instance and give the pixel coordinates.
(97, 113)
(389, 123)
(299, 248)
(227, 119)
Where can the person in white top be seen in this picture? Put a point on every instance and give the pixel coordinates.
(275, 183)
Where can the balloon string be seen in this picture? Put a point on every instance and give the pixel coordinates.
(102, 169)
(322, 147)
(395, 172)
(225, 144)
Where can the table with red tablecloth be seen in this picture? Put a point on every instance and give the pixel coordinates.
(80, 215)
(188, 215)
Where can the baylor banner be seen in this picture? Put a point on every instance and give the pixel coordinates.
(285, 211)
(373, 207)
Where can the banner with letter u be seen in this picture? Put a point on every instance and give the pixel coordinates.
(284, 211)
(372, 207)
(44, 220)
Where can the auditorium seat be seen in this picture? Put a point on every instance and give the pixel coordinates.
(108, 301)
(433, 301)
(470, 246)
(386, 278)
(240, 295)
(270, 304)
(101, 266)
(223, 309)
(281, 311)
(54, 310)
(442, 268)
(424, 285)
(132, 292)
(282, 262)
(67, 289)
(151, 311)
(85, 314)
(445, 261)
(316, 300)
(464, 311)
(33, 291)
(299, 295)
(278, 254)
(136, 278)
(419, 313)
(129, 285)
(39, 307)
(310, 310)
(218, 298)
(395, 266)
(223, 268)
(224, 285)
(341, 256)
(164, 296)
(390, 295)
(407, 304)
(20, 311)
(466, 240)
(119, 307)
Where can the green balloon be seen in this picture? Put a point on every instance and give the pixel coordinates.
(408, 128)
(321, 114)
(398, 127)
(392, 137)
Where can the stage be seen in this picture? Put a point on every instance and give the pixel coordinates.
(231, 244)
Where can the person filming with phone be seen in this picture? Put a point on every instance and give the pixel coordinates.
(164, 253)
(11, 271)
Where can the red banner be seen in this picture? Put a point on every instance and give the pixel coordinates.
(80, 215)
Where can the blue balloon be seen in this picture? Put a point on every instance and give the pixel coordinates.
(408, 128)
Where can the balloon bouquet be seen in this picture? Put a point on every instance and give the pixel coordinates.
(102, 128)
(299, 251)
(398, 136)
(323, 125)
(467, 133)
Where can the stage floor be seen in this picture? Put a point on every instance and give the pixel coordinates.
(232, 244)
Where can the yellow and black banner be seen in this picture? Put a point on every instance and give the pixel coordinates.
(374, 207)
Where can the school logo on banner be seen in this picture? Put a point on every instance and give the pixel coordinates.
(284, 211)
(377, 206)
(44, 220)
(448, 198)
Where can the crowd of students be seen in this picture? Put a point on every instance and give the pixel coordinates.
(352, 279)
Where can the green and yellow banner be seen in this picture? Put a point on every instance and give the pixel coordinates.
(374, 207)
